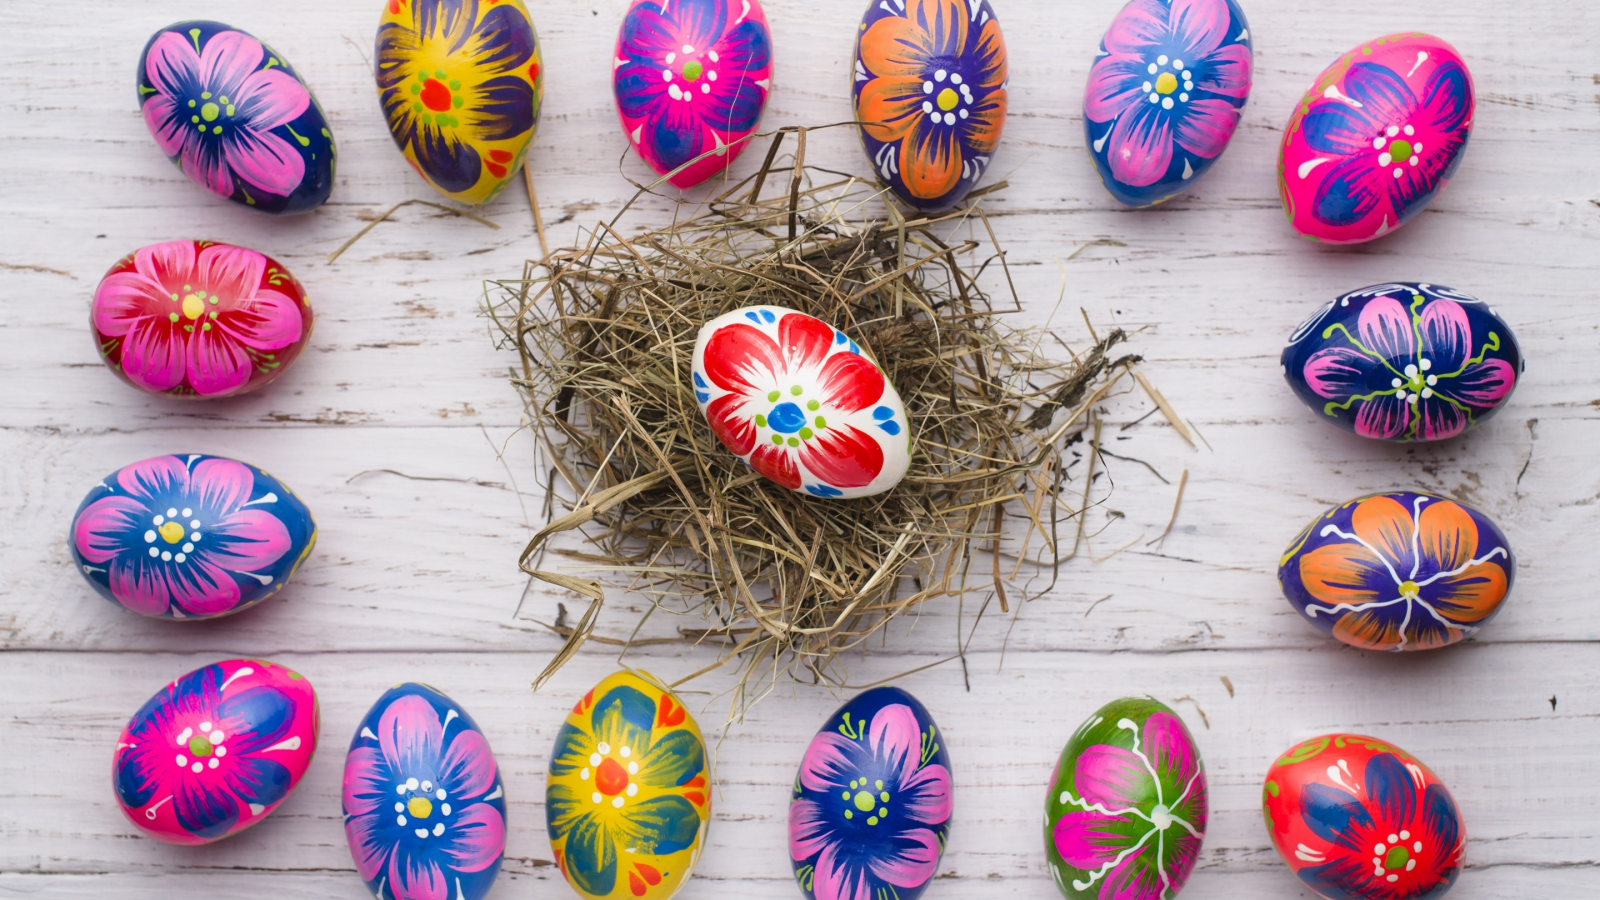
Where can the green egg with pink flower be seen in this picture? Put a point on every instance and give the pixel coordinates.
(1127, 807)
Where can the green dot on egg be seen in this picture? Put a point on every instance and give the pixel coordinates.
(807, 434)
(797, 390)
(794, 442)
(772, 396)
(761, 420)
(813, 405)
(821, 422)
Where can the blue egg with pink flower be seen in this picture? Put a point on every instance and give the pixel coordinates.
(870, 812)
(1402, 362)
(424, 806)
(235, 117)
(190, 536)
(1165, 94)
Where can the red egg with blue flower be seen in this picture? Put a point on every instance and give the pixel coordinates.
(216, 751)
(691, 79)
(1379, 134)
(1357, 818)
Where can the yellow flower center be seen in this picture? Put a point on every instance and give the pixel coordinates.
(420, 807)
(210, 112)
(1167, 83)
(865, 802)
(1409, 590)
(193, 306)
(171, 532)
(948, 99)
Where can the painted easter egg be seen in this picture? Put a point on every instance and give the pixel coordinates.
(424, 807)
(199, 319)
(1356, 818)
(1398, 571)
(1404, 362)
(691, 77)
(1127, 806)
(215, 751)
(628, 799)
(236, 118)
(461, 84)
(1377, 136)
(799, 401)
(1164, 95)
(930, 92)
(190, 536)
(871, 807)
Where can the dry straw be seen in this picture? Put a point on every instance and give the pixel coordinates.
(781, 582)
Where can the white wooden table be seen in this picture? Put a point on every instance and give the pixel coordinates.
(415, 575)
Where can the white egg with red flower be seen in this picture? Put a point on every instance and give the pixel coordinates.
(801, 403)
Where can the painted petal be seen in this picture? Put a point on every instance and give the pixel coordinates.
(1140, 147)
(1472, 595)
(889, 106)
(741, 359)
(1375, 629)
(125, 298)
(202, 588)
(1446, 336)
(264, 160)
(1447, 99)
(1342, 879)
(945, 23)
(169, 264)
(1349, 192)
(367, 845)
(396, 52)
(216, 364)
(1338, 373)
(1184, 850)
(804, 340)
(502, 109)
(416, 878)
(1385, 329)
(227, 60)
(926, 796)
(638, 88)
(204, 810)
(1201, 25)
(1386, 526)
(850, 383)
(502, 42)
(270, 98)
(909, 861)
(449, 21)
(1135, 878)
(660, 826)
(1438, 419)
(1334, 815)
(810, 829)
(564, 808)
(154, 478)
(1114, 86)
(99, 533)
(1347, 574)
(648, 36)
(141, 772)
(172, 65)
(140, 586)
(251, 540)
(1383, 417)
(896, 740)
(153, 355)
(1227, 72)
(1113, 778)
(468, 768)
(206, 166)
(777, 464)
(1424, 632)
(1381, 92)
(477, 838)
(894, 47)
(1447, 535)
(223, 485)
(838, 879)
(571, 752)
(366, 786)
(169, 127)
(699, 24)
(1089, 840)
(1141, 25)
(981, 130)
(830, 761)
(1171, 750)
(731, 423)
(257, 717)
(259, 781)
(735, 103)
(1440, 817)
(1481, 384)
(623, 717)
(1205, 130)
(1390, 788)
(231, 273)
(266, 322)
(672, 761)
(930, 160)
(842, 457)
(746, 50)
(988, 58)
(454, 166)
(409, 734)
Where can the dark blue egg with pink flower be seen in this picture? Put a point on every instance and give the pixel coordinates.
(871, 807)
(1164, 95)
(190, 536)
(233, 115)
(424, 806)
(1404, 362)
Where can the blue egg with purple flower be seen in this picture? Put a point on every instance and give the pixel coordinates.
(235, 117)
(424, 805)
(1164, 96)
(1404, 362)
(870, 811)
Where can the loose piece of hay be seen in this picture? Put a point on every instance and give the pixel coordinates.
(784, 582)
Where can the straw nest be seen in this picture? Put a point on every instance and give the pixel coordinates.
(781, 582)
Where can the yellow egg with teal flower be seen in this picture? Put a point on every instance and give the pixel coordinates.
(461, 84)
(628, 798)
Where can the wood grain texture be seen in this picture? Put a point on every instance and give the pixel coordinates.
(392, 428)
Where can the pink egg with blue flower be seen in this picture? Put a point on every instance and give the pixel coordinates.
(870, 812)
(424, 805)
(800, 402)
(1404, 362)
(216, 751)
(190, 536)
(691, 78)
(1379, 134)
(1165, 94)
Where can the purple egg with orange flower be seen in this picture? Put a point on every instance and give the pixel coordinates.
(930, 96)
(691, 79)
(1398, 571)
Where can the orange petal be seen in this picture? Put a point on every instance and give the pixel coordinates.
(930, 161)
(1345, 573)
(1386, 527)
(991, 55)
(894, 47)
(888, 107)
(1426, 633)
(984, 126)
(1369, 631)
(944, 22)
(1448, 537)
(1471, 596)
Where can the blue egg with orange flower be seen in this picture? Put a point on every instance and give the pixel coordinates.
(1402, 570)
(930, 94)
(1164, 95)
